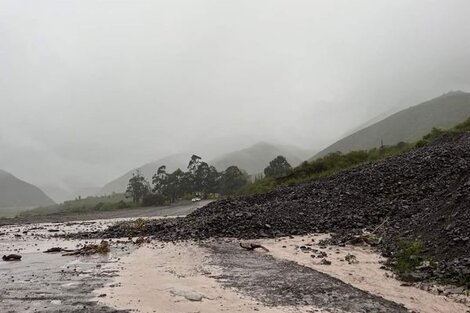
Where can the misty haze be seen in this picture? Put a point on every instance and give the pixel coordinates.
(237, 156)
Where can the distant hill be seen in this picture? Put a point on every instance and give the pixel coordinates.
(60, 194)
(172, 163)
(17, 193)
(255, 158)
(407, 125)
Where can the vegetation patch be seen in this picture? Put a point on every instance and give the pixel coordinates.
(324, 167)
(409, 256)
(337, 161)
(83, 205)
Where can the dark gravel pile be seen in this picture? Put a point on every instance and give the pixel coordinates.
(422, 194)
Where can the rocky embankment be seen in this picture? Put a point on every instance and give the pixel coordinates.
(423, 194)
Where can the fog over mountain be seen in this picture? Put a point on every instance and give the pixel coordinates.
(171, 163)
(254, 159)
(90, 89)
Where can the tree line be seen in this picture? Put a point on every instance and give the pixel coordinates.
(200, 179)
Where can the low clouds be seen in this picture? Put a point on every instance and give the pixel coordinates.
(90, 89)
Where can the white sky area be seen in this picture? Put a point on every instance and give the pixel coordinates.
(90, 89)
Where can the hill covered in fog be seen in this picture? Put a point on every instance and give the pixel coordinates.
(407, 125)
(17, 193)
(255, 158)
(171, 162)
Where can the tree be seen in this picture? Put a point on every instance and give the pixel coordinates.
(194, 164)
(278, 167)
(232, 180)
(169, 186)
(212, 180)
(206, 179)
(187, 183)
(138, 187)
(159, 180)
(200, 177)
(190, 180)
(173, 187)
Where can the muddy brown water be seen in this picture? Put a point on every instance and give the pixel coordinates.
(50, 282)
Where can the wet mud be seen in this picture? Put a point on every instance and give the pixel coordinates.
(50, 282)
(278, 282)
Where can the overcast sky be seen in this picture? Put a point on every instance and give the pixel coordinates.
(91, 89)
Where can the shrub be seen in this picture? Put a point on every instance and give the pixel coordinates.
(409, 255)
(433, 135)
(464, 126)
(153, 200)
(99, 205)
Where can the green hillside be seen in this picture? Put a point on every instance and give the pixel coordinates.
(112, 202)
(407, 125)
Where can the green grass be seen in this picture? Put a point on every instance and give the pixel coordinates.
(435, 133)
(324, 167)
(85, 205)
(12, 212)
(259, 186)
(409, 256)
(464, 126)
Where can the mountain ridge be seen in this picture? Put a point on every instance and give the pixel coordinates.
(255, 158)
(15, 192)
(407, 125)
(172, 162)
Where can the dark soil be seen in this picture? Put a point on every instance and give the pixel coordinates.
(422, 194)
